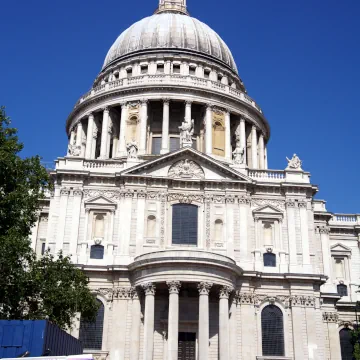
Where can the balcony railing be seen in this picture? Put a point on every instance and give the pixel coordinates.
(171, 80)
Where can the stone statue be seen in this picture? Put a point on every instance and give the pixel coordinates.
(239, 152)
(74, 150)
(132, 150)
(294, 163)
(186, 132)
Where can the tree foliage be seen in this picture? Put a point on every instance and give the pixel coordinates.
(47, 288)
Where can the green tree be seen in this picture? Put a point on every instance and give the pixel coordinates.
(47, 288)
(355, 337)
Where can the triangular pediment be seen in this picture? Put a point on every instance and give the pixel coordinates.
(340, 248)
(268, 209)
(100, 200)
(186, 164)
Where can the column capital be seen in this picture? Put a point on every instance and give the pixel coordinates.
(209, 105)
(166, 101)
(144, 101)
(330, 317)
(324, 230)
(149, 289)
(253, 127)
(242, 118)
(290, 203)
(225, 292)
(90, 114)
(302, 204)
(123, 104)
(174, 286)
(188, 102)
(106, 109)
(227, 111)
(204, 288)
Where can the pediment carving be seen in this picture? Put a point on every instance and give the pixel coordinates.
(340, 249)
(186, 169)
(100, 200)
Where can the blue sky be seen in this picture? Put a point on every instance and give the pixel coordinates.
(299, 60)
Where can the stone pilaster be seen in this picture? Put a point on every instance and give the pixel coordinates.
(104, 134)
(330, 320)
(64, 196)
(77, 194)
(228, 150)
(135, 326)
(290, 212)
(143, 125)
(208, 129)
(122, 136)
(261, 152)
(305, 241)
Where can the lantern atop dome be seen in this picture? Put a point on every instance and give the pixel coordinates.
(178, 6)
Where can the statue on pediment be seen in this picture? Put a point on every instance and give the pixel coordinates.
(294, 163)
(186, 132)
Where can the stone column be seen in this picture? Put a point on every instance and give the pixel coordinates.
(243, 137)
(204, 290)
(228, 151)
(93, 140)
(290, 213)
(266, 158)
(261, 152)
(79, 134)
(188, 110)
(89, 135)
(143, 125)
(135, 326)
(165, 127)
(208, 130)
(149, 290)
(233, 331)
(304, 227)
(173, 319)
(110, 130)
(72, 137)
(254, 156)
(122, 135)
(104, 134)
(225, 292)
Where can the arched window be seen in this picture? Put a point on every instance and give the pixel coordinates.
(151, 226)
(269, 259)
(342, 290)
(347, 347)
(218, 230)
(184, 224)
(91, 333)
(97, 252)
(272, 330)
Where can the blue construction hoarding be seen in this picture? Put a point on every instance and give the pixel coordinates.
(38, 337)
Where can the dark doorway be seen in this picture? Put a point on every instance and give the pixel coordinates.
(187, 346)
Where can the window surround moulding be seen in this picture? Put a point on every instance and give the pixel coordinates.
(344, 251)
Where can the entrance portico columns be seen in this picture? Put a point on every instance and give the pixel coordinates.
(149, 289)
(204, 290)
(225, 292)
(173, 319)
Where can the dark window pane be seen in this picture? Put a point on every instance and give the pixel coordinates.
(90, 333)
(156, 145)
(347, 347)
(342, 290)
(184, 224)
(97, 252)
(43, 248)
(174, 144)
(269, 260)
(272, 329)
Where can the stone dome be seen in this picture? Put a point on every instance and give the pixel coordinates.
(171, 31)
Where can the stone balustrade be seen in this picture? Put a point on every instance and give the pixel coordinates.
(191, 81)
(345, 219)
(267, 175)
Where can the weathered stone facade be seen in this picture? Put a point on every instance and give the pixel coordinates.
(168, 125)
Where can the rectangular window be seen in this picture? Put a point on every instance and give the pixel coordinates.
(160, 69)
(184, 224)
(176, 69)
(156, 145)
(192, 71)
(206, 74)
(129, 72)
(174, 143)
(144, 69)
(43, 248)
